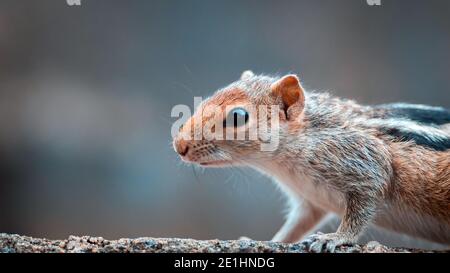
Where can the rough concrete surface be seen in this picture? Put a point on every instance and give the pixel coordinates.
(12, 243)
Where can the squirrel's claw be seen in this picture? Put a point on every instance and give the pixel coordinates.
(320, 242)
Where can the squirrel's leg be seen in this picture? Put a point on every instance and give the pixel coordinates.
(358, 213)
(301, 219)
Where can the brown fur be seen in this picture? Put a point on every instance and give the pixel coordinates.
(422, 180)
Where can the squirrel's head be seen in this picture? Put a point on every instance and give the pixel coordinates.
(242, 122)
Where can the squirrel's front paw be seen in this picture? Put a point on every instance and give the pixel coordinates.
(320, 242)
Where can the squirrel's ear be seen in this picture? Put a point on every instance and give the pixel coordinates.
(247, 74)
(289, 89)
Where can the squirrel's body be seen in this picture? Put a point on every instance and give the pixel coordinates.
(388, 164)
(340, 148)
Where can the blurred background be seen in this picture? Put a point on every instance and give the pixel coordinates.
(86, 93)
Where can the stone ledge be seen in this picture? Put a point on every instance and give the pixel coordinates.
(12, 243)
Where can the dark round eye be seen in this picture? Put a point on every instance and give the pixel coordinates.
(236, 117)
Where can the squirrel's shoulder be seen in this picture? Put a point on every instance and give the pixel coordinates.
(422, 124)
(419, 113)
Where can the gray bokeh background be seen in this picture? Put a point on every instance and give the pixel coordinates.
(86, 94)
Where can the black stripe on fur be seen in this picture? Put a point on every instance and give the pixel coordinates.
(438, 144)
(418, 113)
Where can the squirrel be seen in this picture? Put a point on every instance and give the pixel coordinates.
(387, 165)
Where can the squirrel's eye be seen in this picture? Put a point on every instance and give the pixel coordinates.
(236, 117)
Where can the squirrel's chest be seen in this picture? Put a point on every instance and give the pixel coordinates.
(305, 187)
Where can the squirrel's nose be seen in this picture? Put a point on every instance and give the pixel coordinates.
(181, 147)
